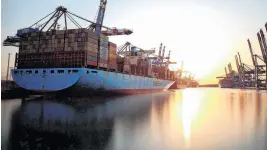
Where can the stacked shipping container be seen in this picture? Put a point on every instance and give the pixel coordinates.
(103, 52)
(112, 56)
(81, 48)
(137, 65)
(66, 48)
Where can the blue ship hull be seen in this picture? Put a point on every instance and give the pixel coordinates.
(86, 80)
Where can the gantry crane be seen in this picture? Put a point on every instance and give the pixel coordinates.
(227, 75)
(99, 21)
(259, 71)
(263, 47)
(239, 70)
(180, 71)
(247, 73)
(225, 70)
(263, 51)
(100, 16)
(264, 43)
(61, 11)
(126, 49)
(230, 69)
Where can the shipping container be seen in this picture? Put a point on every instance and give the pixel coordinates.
(91, 63)
(49, 59)
(91, 58)
(112, 66)
(103, 61)
(126, 68)
(103, 53)
(103, 65)
(110, 44)
(131, 60)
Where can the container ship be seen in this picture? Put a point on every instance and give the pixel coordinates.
(230, 80)
(85, 60)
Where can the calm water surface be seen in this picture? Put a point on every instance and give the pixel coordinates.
(193, 119)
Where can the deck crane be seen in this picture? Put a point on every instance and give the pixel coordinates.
(99, 21)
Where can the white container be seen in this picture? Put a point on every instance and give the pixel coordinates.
(103, 53)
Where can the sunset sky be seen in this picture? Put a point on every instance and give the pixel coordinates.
(205, 34)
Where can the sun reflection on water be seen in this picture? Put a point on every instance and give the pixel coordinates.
(190, 107)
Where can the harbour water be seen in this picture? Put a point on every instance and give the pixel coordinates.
(193, 119)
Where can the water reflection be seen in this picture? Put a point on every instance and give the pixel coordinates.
(181, 119)
(190, 106)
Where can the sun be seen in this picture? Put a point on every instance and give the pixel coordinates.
(196, 35)
(203, 41)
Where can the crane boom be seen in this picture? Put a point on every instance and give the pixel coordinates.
(262, 49)
(100, 16)
(99, 23)
(230, 68)
(251, 52)
(181, 70)
(237, 64)
(115, 31)
(169, 56)
(240, 61)
(160, 47)
(163, 52)
(263, 42)
(225, 71)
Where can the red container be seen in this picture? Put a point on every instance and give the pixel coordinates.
(110, 44)
(103, 61)
(91, 63)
